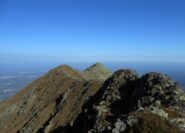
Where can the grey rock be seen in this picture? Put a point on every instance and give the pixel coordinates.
(120, 126)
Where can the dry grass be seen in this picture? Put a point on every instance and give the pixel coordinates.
(151, 123)
(172, 113)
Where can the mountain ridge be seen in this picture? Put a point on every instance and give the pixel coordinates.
(42, 97)
(66, 100)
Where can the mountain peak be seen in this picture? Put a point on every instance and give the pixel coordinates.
(97, 71)
(65, 71)
(97, 65)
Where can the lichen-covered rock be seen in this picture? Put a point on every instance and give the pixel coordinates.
(179, 122)
(120, 126)
(158, 111)
(161, 88)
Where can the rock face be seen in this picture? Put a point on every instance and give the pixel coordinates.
(69, 101)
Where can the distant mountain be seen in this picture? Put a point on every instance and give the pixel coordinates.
(97, 72)
(96, 101)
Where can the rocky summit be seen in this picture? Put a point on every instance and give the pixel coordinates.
(96, 101)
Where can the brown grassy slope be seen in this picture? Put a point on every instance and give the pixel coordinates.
(50, 101)
(152, 123)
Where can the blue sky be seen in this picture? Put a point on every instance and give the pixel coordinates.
(92, 30)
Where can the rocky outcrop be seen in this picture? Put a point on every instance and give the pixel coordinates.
(129, 103)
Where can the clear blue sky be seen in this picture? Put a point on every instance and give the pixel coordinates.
(92, 30)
